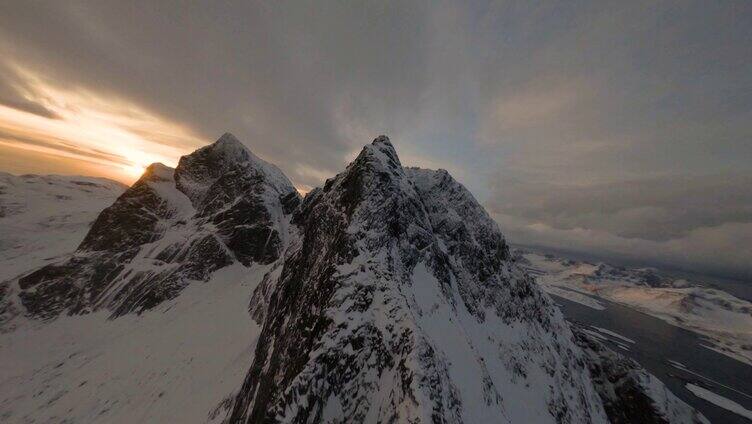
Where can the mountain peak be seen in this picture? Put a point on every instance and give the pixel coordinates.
(382, 139)
(382, 143)
(228, 139)
(197, 171)
(376, 174)
(158, 171)
(380, 154)
(411, 281)
(228, 147)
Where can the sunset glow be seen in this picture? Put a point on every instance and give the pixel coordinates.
(134, 170)
(118, 137)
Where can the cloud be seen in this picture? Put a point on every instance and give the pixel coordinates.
(13, 94)
(653, 209)
(723, 250)
(538, 104)
(277, 76)
(88, 127)
(701, 223)
(30, 142)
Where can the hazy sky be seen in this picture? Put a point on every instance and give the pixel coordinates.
(622, 129)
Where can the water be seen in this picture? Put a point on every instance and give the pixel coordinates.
(657, 342)
(739, 287)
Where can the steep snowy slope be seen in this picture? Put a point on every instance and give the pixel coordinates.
(45, 216)
(177, 363)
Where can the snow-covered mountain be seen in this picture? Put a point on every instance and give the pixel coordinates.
(387, 295)
(220, 205)
(398, 303)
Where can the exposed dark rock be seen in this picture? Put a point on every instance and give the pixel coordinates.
(340, 316)
(629, 393)
(132, 220)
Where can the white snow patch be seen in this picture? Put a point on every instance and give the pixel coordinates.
(719, 400)
(175, 363)
(60, 207)
(573, 296)
(613, 334)
(679, 365)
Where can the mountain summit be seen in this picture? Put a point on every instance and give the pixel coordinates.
(397, 301)
(386, 295)
(220, 205)
(197, 172)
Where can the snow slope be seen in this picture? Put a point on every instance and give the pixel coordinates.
(45, 216)
(175, 363)
(719, 400)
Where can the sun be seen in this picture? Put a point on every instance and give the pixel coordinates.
(134, 170)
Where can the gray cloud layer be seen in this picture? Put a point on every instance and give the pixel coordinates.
(699, 223)
(626, 119)
(656, 209)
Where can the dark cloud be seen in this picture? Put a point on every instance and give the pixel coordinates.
(12, 96)
(635, 101)
(276, 76)
(27, 106)
(722, 251)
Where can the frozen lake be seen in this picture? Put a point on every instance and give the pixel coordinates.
(657, 343)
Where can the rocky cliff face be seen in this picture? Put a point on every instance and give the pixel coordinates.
(221, 204)
(397, 303)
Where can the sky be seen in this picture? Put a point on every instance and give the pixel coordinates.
(616, 129)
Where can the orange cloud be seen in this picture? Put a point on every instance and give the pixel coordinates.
(118, 137)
